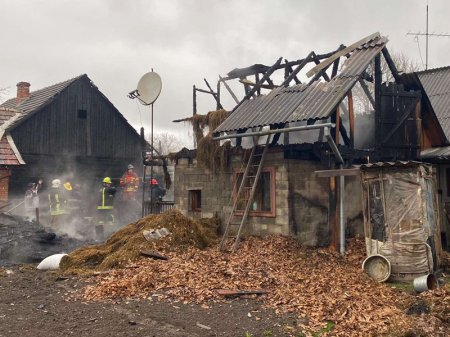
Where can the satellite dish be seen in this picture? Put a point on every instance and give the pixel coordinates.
(149, 88)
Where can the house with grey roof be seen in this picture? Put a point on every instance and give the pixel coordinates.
(69, 130)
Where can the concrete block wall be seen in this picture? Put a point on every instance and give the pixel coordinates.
(301, 198)
(215, 189)
(309, 202)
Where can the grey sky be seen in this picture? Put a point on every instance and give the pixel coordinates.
(115, 42)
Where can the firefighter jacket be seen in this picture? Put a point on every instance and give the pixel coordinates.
(106, 198)
(129, 182)
(57, 202)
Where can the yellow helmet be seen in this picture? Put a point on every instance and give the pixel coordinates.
(68, 186)
(107, 180)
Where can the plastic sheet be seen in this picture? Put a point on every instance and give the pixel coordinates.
(401, 218)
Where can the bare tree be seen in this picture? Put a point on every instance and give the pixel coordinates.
(3, 94)
(403, 63)
(165, 142)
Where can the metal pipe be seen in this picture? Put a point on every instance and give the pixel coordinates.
(333, 146)
(269, 132)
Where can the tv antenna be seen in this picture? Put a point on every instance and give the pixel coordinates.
(147, 92)
(426, 34)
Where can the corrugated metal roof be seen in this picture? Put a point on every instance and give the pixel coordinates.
(436, 83)
(302, 102)
(397, 163)
(436, 153)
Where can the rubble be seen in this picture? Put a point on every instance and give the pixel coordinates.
(23, 241)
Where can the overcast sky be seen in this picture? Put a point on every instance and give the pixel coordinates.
(115, 42)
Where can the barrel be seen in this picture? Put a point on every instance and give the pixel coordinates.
(378, 267)
(424, 283)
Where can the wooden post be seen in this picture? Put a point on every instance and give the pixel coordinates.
(351, 118)
(219, 105)
(338, 122)
(332, 216)
(194, 100)
(378, 81)
(418, 128)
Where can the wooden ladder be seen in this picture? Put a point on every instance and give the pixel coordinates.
(245, 193)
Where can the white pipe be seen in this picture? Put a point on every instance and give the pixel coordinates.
(269, 132)
(341, 212)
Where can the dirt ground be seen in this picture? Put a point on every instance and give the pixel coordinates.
(32, 303)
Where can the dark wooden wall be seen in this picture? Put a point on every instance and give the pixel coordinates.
(57, 129)
(56, 143)
(399, 123)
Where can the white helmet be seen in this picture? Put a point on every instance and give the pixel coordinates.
(56, 183)
(130, 167)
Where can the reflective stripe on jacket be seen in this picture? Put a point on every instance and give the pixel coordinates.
(129, 182)
(57, 202)
(106, 198)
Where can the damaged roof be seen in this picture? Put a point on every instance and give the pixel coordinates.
(304, 102)
(436, 84)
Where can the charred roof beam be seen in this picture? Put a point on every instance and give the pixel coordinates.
(391, 65)
(294, 73)
(261, 81)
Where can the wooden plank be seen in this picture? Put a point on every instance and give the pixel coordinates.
(401, 121)
(337, 172)
(391, 65)
(367, 92)
(237, 292)
(378, 111)
(221, 79)
(340, 53)
(194, 100)
(152, 254)
(264, 86)
(351, 116)
(294, 73)
(263, 79)
(338, 123)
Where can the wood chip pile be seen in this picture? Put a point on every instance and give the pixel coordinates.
(318, 285)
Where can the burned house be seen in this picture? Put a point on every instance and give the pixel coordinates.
(68, 130)
(278, 141)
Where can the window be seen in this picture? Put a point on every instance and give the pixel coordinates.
(195, 199)
(82, 114)
(264, 199)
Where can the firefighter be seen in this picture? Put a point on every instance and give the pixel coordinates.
(58, 204)
(105, 207)
(156, 195)
(129, 183)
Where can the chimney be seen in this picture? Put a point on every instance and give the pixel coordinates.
(23, 91)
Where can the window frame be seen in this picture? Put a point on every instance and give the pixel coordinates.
(272, 212)
(195, 200)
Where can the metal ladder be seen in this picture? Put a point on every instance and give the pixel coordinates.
(245, 193)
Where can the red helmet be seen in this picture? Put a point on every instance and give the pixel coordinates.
(153, 182)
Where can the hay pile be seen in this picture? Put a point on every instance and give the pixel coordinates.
(209, 152)
(125, 245)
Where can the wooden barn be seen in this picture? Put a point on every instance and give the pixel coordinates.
(69, 130)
